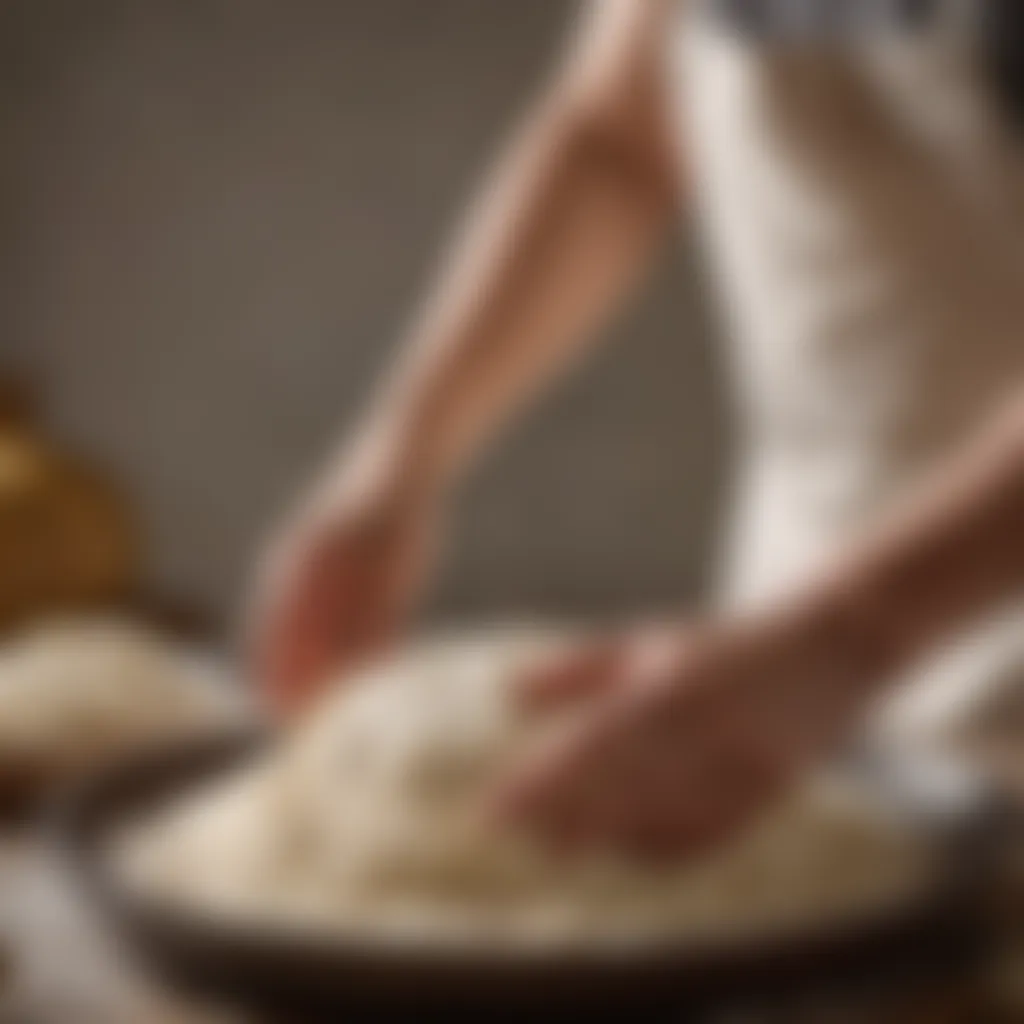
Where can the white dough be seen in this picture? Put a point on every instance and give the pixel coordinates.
(366, 823)
(80, 692)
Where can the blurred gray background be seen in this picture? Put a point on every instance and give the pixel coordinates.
(215, 217)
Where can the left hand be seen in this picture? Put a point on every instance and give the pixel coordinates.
(683, 734)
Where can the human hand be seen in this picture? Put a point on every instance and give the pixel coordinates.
(683, 734)
(340, 578)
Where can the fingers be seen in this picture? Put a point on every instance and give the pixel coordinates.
(560, 780)
(679, 752)
(324, 611)
(581, 673)
(656, 795)
(342, 577)
(291, 647)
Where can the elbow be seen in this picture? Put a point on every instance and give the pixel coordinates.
(632, 162)
(621, 146)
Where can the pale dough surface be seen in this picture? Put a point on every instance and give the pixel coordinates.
(80, 692)
(365, 823)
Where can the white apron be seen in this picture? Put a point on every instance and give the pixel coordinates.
(866, 217)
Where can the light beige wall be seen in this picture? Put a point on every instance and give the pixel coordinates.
(214, 216)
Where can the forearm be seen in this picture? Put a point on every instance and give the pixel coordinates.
(556, 246)
(948, 556)
(557, 240)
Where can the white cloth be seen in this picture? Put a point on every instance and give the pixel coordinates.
(865, 209)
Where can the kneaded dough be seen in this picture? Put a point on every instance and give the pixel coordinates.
(366, 823)
(78, 692)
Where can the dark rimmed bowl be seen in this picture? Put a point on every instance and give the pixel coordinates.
(938, 931)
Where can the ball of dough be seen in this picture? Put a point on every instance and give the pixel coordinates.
(82, 691)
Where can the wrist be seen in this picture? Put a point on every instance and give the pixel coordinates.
(847, 620)
(407, 434)
(383, 467)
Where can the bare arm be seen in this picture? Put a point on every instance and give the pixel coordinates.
(559, 237)
(690, 730)
(945, 558)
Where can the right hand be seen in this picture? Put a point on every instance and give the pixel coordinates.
(339, 580)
